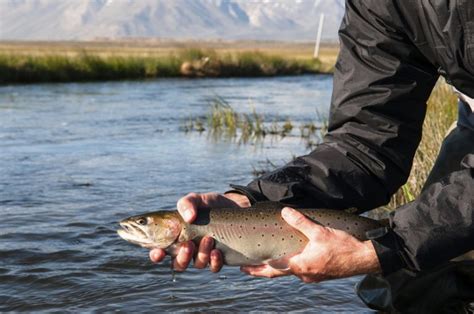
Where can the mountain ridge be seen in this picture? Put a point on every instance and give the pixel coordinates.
(285, 20)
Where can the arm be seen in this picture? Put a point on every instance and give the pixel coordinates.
(381, 84)
(436, 227)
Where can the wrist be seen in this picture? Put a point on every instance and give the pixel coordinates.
(369, 260)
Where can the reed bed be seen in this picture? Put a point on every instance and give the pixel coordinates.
(224, 122)
(86, 66)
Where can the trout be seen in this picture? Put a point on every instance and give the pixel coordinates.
(245, 236)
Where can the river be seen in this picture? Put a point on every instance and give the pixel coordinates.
(76, 158)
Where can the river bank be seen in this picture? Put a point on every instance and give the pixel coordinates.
(22, 62)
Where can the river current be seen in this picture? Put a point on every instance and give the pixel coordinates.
(76, 158)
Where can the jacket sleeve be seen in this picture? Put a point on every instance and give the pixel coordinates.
(381, 85)
(447, 208)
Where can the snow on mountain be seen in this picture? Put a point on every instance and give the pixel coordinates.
(178, 19)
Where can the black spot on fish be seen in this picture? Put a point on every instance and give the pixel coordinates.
(263, 235)
(283, 239)
(258, 244)
(253, 228)
(240, 237)
(273, 235)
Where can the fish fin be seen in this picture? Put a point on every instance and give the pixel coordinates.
(280, 263)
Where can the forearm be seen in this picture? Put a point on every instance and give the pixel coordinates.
(381, 84)
(433, 229)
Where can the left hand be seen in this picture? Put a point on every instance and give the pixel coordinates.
(329, 254)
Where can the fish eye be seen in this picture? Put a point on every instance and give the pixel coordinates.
(142, 221)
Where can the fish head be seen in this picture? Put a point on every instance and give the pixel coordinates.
(153, 230)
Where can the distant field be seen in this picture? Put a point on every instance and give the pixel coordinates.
(64, 61)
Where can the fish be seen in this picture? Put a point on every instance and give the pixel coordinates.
(246, 236)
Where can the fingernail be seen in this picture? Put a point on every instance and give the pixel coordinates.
(187, 214)
(287, 213)
(155, 255)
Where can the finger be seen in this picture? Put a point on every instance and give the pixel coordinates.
(181, 262)
(299, 221)
(157, 255)
(307, 279)
(216, 261)
(263, 271)
(187, 206)
(204, 252)
(212, 200)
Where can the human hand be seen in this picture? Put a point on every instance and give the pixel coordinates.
(329, 254)
(188, 207)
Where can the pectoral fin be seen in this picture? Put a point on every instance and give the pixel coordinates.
(280, 263)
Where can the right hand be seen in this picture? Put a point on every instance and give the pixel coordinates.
(188, 207)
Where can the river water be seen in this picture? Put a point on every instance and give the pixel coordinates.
(77, 158)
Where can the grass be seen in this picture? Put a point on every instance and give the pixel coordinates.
(87, 65)
(223, 122)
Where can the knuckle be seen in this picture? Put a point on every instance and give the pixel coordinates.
(300, 220)
(192, 195)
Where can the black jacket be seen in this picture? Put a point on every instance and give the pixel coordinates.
(392, 53)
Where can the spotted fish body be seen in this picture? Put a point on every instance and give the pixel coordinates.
(247, 236)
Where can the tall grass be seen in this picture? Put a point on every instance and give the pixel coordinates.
(20, 68)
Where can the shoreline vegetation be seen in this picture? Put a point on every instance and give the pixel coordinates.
(56, 62)
(224, 123)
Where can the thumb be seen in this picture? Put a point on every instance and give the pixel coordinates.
(187, 206)
(300, 222)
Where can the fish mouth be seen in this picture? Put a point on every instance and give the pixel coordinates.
(134, 234)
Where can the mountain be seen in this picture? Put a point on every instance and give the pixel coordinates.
(295, 20)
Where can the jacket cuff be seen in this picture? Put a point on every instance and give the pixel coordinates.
(387, 248)
(252, 195)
